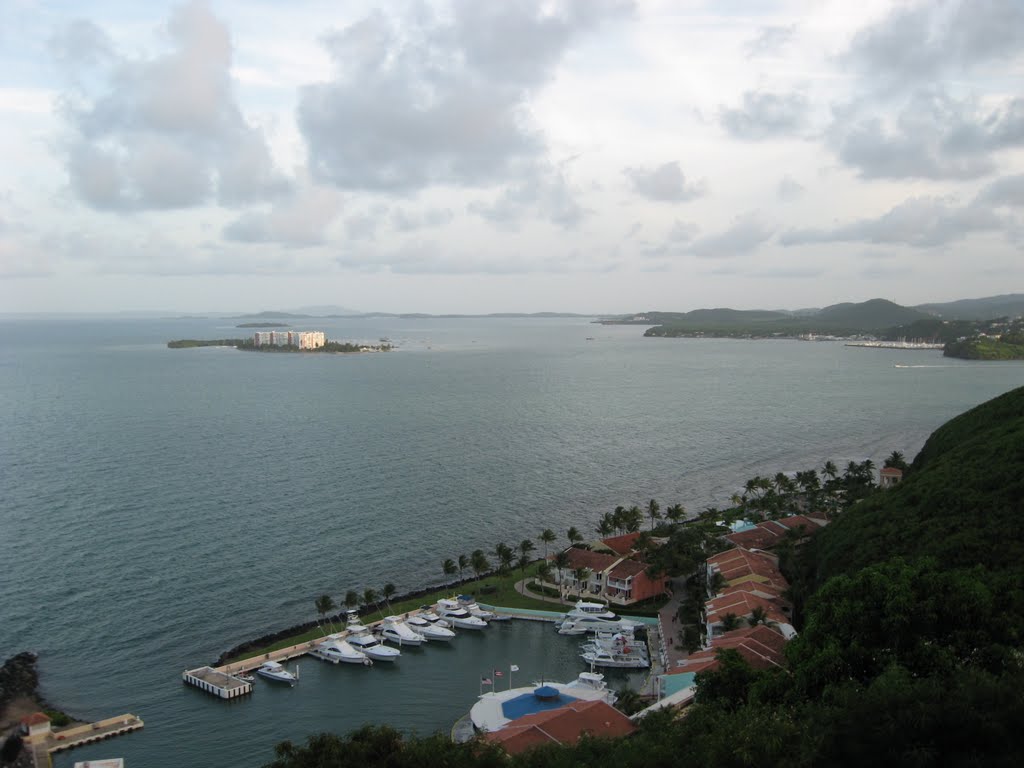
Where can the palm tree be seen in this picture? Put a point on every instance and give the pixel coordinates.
(463, 565)
(544, 571)
(758, 615)
(526, 547)
(388, 592)
(896, 460)
(522, 562)
(478, 562)
(581, 574)
(351, 599)
(324, 605)
(547, 536)
(675, 513)
(653, 511)
(561, 561)
(605, 525)
(573, 535)
(730, 622)
(633, 519)
(450, 569)
(369, 597)
(618, 518)
(506, 556)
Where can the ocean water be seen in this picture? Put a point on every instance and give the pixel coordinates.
(158, 506)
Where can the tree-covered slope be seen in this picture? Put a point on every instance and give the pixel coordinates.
(962, 501)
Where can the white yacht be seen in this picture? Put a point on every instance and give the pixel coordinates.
(434, 619)
(395, 630)
(585, 609)
(459, 617)
(363, 640)
(584, 624)
(274, 671)
(619, 651)
(429, 630)
(336, 650)
(467, 602)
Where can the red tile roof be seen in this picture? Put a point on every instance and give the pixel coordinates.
(738, 565)
(621, 545)
(762, 647)
(564, 725)
(742, 604)
(891, 472)
(595, 561)
(627, 568)
(768, 533)
(36, 718)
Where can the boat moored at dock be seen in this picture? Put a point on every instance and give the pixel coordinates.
(272, 670)
(336, 650)
(429, 630)
(396, 630)
(459, 617)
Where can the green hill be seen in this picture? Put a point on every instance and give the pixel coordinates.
(1007, 305)
(871, 315)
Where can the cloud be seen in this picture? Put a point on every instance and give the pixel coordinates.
(423, 101)
(765, 115)
(404, 220)
(299, 220)
(934, 136)
(1007, 191)
(746, 233)
(921, 42)
(922, 222)
(769, 41)
(548, 196)
(789, 190)
(162, 132)
(665, 183)
(683, 231)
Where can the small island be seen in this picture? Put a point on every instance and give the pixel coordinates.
(278, 341)
(263, 325)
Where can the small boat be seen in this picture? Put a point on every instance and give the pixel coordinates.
(467, 602)
(363, 640)
(395, 630)
(429, 630)
(459, 617)
(620, 651)
(274, 671)
(336, 650)
(244, 677)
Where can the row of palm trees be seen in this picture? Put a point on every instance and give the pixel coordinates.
(370, 597)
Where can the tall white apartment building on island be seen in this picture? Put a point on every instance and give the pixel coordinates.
(300, 339)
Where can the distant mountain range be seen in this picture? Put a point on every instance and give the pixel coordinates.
(873, 316)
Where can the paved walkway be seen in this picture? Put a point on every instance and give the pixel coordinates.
(670, 626)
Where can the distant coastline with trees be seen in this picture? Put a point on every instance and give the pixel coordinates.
(248, 345)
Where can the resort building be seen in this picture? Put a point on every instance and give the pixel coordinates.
(768, 533)
(565, 725)
(890, 476)
(615, 578)
(300, 339)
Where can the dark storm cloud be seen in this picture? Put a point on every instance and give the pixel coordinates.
(163, 132)
(765, 115)
(933, 136)
(665, 183)
(746, 234)
(921, 222)
(416, 103)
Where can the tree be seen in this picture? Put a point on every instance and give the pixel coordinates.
(618, 519)
(523, 562)
(605, 526)
(544, 571)
(573, 535)
(758, 615)
(351, 599)
(581, 574)
(895, 460)
(730, 622)
(676, 513)
(369, 597)
(547, 536)
(324, 605)
(653, 512)
(506, 556)
(388, 592)
(561, 561)
(633, 519)
(450, 569)
(463, 565)
(526, 547)
(478, 562)
(729, 684)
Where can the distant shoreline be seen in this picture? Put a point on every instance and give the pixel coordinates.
(247, 345)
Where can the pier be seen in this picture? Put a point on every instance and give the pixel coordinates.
(43, 742)
(218, 683)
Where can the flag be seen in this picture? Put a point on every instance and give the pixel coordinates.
(485, 681)
(498, 673)
(513, 668)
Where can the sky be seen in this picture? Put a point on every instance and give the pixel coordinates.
(592, 156)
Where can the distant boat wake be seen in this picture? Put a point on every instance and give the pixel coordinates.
(898, 365)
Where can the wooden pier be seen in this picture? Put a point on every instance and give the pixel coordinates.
(43, 742)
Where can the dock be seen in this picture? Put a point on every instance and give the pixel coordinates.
(218, 683)
(44, 742)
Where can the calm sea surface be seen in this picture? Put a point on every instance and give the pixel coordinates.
(158, 506)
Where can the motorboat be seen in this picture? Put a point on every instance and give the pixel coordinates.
(244, 677)
(467, 602)
(363, 640)
(274, 671)
(459, 617)
(428, 630)
(396, 630)
(433, 618)
(585, 609)
(619, 651)
(336, 650)
(584, 624)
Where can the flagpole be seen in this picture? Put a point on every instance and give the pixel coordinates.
(510, 677)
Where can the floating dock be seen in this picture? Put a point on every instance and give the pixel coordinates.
(216, 682)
